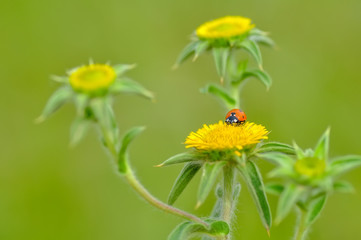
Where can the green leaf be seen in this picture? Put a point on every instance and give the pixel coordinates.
(255, 185)
(60, 79)
(315, 209)
(59, 97)
(185, 176)
(220, 93)
(343, 164)
(343, 186)
(274, 188)
(265, 40)
(276, 147)
(126, 85)
(321, 149)
(260, 75)
(120, 69)
(280, 159)
(200, 48)
(186, 230)
(221, 56)
(186, 53)
(179, 158)
(81, 102)
(78, 130)
(209, 177)
(252, 48)
(299, 152)
(127, 139)
(287, 201)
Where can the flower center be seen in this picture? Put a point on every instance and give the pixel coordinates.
(92, 78)
(310, 167)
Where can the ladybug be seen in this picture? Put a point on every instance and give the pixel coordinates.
(235, 116)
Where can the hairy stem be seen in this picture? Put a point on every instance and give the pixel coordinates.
(301, 227)
(227, 201)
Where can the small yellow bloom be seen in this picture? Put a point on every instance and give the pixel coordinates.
(225, 137)
(226, 27)
(92, 78)
(310, 167)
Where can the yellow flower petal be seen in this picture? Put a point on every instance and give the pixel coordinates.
(225, 27)
(223, 137)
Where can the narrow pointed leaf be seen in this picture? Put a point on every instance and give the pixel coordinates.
(81, 102)
(278, 158)
(264, 77)
(186, 53)
(299, 152)
(343, 186)
(209, 177)
(252, 48)
(321, 149)
(200, 48)
(263, 39)
(60, 79)
(126, 85)
(220, 93)
(127, 139)
(220, 56)
(59, 97)
(343, 164)
(276, 147)
(255, 185)
(78, 130)
(274, 188)
(179, 158)
(185, 176)
(287, 201)
(120, 69)
(315, 209)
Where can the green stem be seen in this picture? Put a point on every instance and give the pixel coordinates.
(301, 227)
(139, 188)
(228, 181)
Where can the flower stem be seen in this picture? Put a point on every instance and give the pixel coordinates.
(228, 201)
(139, 188)
(301, 227)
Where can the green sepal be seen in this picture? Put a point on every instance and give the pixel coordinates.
(123, 154)
(343, 164)
(59, 97)
(200, 48)
(179, 158)
(255, 185)
(277, 158)
(187, 230)
(209, 177)
(127, 85)
(81, 102)
(185, 176)
(299, 152)
(261, 37)
(287, 201)
(60, 79)
(264, 77)
(220, 93)
(274, 188)
(221, 56)
(343, 186)
(120, 69)
(78, 130)
(186, 53)
(252, 48)
(315, 208)
(276, 147)
(321, 149)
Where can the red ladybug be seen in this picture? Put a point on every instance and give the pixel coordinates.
(235, 116)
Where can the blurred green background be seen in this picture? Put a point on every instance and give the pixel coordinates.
(51, 191)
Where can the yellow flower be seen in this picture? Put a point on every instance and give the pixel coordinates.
(310, 167)
(226, 27)
(224, 137)
(92, 78)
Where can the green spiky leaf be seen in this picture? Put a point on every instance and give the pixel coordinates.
(221, 94)
(186, 53)
(120, 69)
(127, 85)
(78, 130)
(315, 209)
(179, 158)
(274, 188)
(321, 149)
(276, 147)
(264, 77)
(287, 201)
(185, 176)
(221, 56)
(200, 48)
(343, 186)
(343, 164)
(209, 177)
(255, 185)
(280, 159)
(252, 48)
